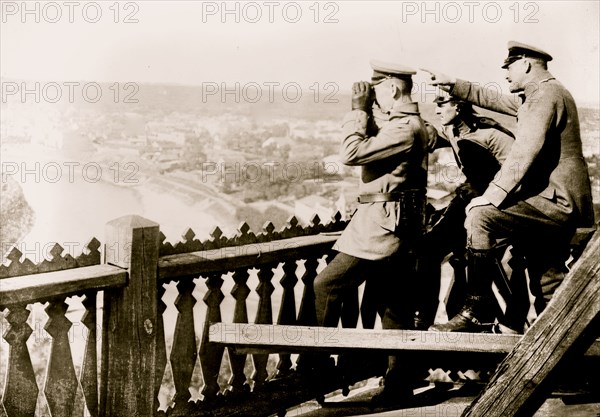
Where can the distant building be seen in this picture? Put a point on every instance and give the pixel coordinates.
(175, 137)
(140, 140)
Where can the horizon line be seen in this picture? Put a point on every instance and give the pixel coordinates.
(581, 103)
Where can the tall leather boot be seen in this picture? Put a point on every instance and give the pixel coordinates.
(479, 310)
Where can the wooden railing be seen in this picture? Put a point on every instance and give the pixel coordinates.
(141, 370)
(136, 274)
(50, 283)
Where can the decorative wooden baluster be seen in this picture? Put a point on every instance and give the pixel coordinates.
(61, 382)
(240, 292)
(161, 348)
(89, 370)
(184, 352)
(21, 390)
(211, 354)
(307, 315)
(264, 315)
(287, 310)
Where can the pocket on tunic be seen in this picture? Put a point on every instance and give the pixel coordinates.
(390, 216)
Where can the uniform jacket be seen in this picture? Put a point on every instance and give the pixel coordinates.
(545, 167)
(480, 146)
(391, 150)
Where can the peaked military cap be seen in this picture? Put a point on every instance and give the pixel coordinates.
(518, 50)
(444, 97)
(384, 70)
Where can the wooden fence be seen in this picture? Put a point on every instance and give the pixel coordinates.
(127, 362)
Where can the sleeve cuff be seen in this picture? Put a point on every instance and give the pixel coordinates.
(495, 195)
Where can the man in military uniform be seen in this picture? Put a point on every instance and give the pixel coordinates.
(388, 140)
(542, 192)
(480, 146)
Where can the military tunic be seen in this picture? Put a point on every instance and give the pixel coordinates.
(542, 192)
(480, 148)
(391, 150)
(545, 168)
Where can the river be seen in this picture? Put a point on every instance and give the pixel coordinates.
(72, 205)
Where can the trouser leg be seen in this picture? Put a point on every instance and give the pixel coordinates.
(399, 295)
(331, 286)
(487, 225)
(343, 273)
(401, 299)
(447, 236)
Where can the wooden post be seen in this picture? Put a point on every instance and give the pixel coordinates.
(130, 320)
(565, 329)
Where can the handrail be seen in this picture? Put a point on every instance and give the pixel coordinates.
(42, 286)
(171, 267)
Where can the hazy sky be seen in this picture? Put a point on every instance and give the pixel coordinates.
(194, 42)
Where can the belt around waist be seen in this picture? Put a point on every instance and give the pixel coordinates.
(387, 197)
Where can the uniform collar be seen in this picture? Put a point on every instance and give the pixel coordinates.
(532, 85)
(462, 128)
(407, 108)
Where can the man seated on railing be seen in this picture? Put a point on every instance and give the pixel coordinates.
(542, 193)
(388, 140)
(480, 146)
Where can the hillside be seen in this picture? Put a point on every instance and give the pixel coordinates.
(16, 216)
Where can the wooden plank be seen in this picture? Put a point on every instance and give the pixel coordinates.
(275, 337)
(129, 330)
(38, 287)
(564, 330)
(296, 339)
(245, 256)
